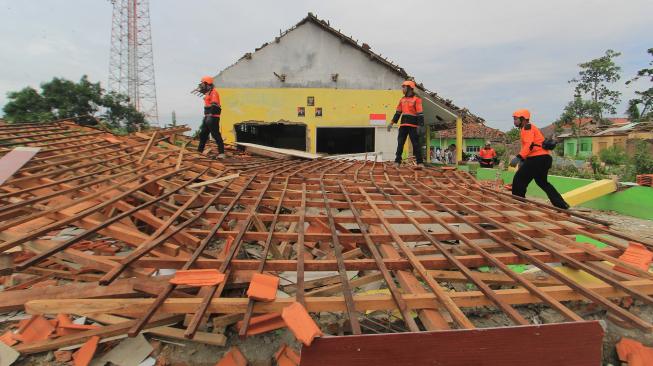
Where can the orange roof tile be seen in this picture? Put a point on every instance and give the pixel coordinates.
(263, 287)
(85, 354)
(300, 323)
(263, 323)
(233, 358)
(37, 328)
(8, 338)
(634, 353)
(286, 356)
(637, 255)
(198, 277)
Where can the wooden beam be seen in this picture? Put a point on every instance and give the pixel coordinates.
(319, 304)
(471, 261)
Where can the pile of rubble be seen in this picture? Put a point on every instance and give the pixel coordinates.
(105, 237)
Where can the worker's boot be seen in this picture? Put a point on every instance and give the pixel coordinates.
(397, 165)
(222, 156)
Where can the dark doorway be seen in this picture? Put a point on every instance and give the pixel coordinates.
(273, 134)
(345, 140)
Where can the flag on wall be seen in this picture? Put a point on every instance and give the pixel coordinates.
(377, 119)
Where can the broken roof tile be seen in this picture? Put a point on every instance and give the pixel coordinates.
(300, 323)
(263, 287)
(198, 277)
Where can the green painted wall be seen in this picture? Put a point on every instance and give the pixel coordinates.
(445, 142)
(635, 201)
(582, 145)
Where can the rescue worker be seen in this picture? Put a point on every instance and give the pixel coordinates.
(487, 156)
(534, 161)
(412, 116)
(211, 121)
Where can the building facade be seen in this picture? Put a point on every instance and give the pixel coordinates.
(315, 89)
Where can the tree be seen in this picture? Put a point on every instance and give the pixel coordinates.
(512, 135)
(594, 80)
(574, 111)
(644, 98)
(27, 105)
(60, 98)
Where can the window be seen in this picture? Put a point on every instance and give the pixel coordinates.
(585, 146)
(472, 149)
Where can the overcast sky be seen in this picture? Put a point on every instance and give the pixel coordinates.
(489, 56)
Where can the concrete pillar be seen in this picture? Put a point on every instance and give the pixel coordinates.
(459, 140)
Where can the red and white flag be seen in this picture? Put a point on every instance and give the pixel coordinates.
(377, 119)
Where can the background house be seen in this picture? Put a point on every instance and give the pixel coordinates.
(314, 89)
(474, 137)
(616, 135)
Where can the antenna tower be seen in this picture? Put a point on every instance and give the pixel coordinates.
(131, 62)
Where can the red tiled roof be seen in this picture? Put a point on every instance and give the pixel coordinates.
(475, 130)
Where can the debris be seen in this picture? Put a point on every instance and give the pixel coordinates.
(300, 323)
(263, 323)
(63, 356)
(130, 352)
(286, 356)
(263, 287)
(233, 358)
(85, 354)
(634, 353)
(637, 255)
(7, 355)
(198, 277)
(37, 328)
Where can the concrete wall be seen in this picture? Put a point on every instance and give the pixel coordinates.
(340, 108)
(308, 56)
(573, 147)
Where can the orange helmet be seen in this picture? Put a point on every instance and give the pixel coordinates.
(207, 79)
(522, 113)
(409, 83)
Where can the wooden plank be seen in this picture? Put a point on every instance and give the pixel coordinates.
(366, 264)
(567, 344)
(214, 339)
(318, 304)
(15, 300)
(216, 180)
(275, 152)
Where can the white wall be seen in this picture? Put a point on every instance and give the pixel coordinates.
(309, 55)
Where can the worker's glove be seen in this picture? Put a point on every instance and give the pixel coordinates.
(517, 160)
(389, 128)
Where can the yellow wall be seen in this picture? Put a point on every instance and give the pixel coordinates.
(340, 107)
(619, 141)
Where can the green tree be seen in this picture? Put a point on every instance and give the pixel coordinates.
(594, 80)
(27, 105)
(643, 159)
(574, 111)
(644, 98)
(60, 98)
(512, 135)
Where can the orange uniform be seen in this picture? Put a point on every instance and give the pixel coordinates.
(487, 153)
(411, 111)
(531, 142)
(212, 104)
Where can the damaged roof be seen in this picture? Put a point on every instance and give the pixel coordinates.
(447, 104)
